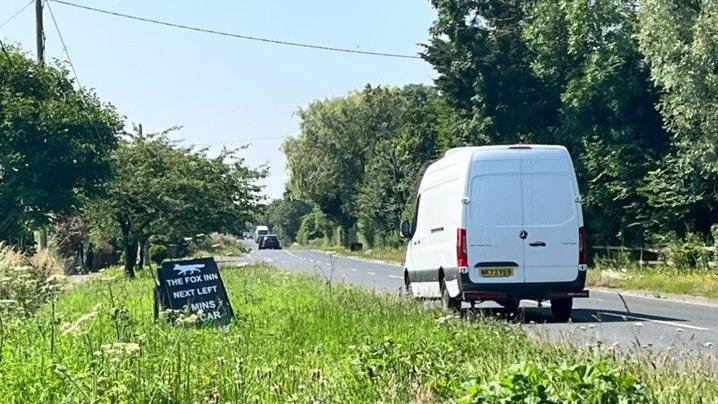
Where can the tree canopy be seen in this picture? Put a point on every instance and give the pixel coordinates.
(55, 143)
(630, 90)
(357, 157)
(161, 189)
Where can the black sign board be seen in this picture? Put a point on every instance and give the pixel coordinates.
(194, 285)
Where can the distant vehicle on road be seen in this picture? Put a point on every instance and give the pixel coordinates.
(500, 223)
(270, 241)
(260, 231)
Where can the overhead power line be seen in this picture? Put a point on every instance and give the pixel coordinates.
(2, 24)
(74, 73)
(240, 141)
(241, 36)
(64, 47)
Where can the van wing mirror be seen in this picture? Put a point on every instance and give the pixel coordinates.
(405, 229)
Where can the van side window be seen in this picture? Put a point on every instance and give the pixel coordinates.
(416, 215)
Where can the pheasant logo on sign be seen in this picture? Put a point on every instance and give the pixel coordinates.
(188, 269)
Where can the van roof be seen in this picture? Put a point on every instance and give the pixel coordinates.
(473, 149)
(460, 158)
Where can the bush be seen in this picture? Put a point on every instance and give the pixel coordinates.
(564, 382)
(158, 253)
(688, 252)
(315, 225)
(27, 283)
(216, 244)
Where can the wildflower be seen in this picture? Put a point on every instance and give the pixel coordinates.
(75, 328)
(443, 319)
(119, 349)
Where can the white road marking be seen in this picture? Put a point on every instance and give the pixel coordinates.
(671, 323)
(371, 273)
(353, 269)
(293, 255)
(396, 276)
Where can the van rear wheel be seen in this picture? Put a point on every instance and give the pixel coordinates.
(561, 309)
(447, 302)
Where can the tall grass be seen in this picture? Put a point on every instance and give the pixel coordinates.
(296, 339)
(26, 283)
(657, 279)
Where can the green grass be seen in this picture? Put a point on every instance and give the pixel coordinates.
(297, 339)
(656, 280)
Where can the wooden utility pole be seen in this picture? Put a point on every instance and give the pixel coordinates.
(40, 40)
(39, 33)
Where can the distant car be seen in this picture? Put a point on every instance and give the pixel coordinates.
(261, 230)
(270, 241)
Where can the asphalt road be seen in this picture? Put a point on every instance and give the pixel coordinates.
(662, 326)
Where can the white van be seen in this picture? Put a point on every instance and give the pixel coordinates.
(260, 231)
(500, 223)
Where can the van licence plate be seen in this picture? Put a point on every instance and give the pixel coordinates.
(497, 272)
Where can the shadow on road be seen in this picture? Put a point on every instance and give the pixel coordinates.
(579, 315)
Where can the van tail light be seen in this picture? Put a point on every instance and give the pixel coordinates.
(582, 257)
(462, 257)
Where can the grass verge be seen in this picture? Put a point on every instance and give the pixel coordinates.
(656, 280)
(299, 339)
(391, 255)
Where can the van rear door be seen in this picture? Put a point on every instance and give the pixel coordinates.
(495, 220)
(551, 216)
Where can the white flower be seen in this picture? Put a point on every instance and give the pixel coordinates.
(118, 349)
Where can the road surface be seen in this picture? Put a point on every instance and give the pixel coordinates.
(658, 324)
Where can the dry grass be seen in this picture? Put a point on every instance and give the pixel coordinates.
(26, 283)
(704, 284)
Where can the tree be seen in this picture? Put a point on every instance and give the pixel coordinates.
(564, 72)
(588, 51)
(55, 143)
(284, 216)
(162, 189)
(484, 67)
(680, 42)
(395, 164)
(326, 161)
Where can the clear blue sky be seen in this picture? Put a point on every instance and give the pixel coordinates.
(224, 90)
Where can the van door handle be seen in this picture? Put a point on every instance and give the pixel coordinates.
(538, 244)
(437, 229)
